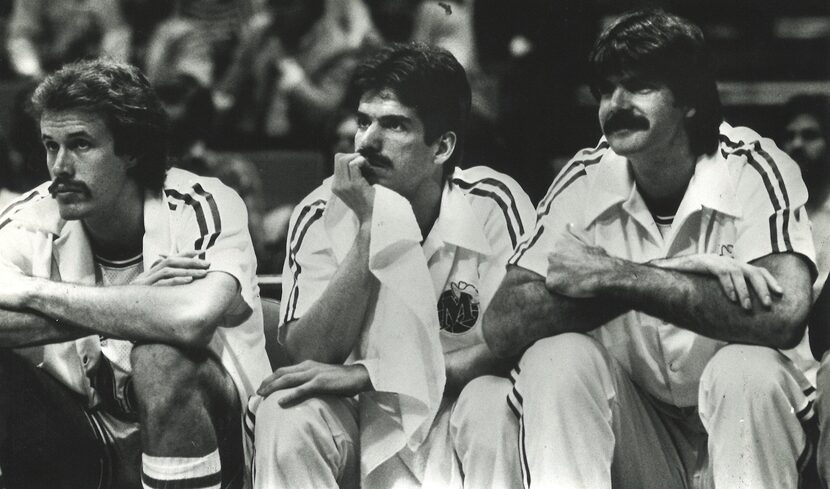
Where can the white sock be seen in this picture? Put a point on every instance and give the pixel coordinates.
(171, 472)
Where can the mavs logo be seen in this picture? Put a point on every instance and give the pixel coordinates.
(458, 308)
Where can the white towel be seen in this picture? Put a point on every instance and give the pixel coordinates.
(400, 346)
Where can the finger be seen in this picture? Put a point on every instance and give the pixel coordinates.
(186, 262)
(284, 382)
(772, 282)
(175, 281)
(741, 289)
(726, 284)
(296, 395)
(356, 168)
(759, 285)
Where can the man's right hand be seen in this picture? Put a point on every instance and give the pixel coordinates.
(351, 186)
(734, 277)
(179, 269)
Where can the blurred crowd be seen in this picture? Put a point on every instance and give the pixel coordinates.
(240, 76)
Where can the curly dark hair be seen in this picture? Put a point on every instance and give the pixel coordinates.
(123, 96)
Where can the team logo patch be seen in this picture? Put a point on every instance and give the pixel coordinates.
(458, 307)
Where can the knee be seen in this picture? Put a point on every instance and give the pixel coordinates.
(482, 412)
(561, 360)
(483, 402)
(743, 371)
(288, 431)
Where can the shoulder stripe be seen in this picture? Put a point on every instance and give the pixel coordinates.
(4, 222)
(774, 185)
(13, 207)
(308, 215)
(214, 210)
(566, 177)
(582, 157)
(207, 238)
(520, 251)
(516, 221)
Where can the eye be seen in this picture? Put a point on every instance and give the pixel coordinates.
(81, 144)
(362, 121)
(635, 85)
(51, 146)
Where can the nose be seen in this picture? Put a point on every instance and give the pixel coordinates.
(620, 98)
(368, 137)
(62, 164)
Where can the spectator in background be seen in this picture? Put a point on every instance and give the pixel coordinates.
(26, 153)
(806, 139)
(42, 34)
(291, 72)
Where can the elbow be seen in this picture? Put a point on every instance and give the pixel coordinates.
(790, 327)
(194, 330)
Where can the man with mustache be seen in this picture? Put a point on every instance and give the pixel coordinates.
(130, 322)
(669, 266)
(397, 227)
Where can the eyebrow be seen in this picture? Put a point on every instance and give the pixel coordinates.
(76, 134)
(388, 118)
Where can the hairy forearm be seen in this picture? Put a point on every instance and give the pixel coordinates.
(330, 329)
(465, 364)
(29, 328)
(185, 315)
(523, 311)
(697, 303)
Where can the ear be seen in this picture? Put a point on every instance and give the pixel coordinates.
(445, 147)
(131, 162)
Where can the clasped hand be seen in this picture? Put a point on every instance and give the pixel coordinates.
(308, 379)
(351, 186)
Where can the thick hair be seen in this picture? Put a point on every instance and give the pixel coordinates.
(429, 80)
(123, 96)
(816, 106)
(664, 47)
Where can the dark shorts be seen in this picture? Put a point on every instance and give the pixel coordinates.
(50, 439)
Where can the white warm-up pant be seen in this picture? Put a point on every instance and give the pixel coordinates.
(823, 414)
(315, 444)
(585, 424)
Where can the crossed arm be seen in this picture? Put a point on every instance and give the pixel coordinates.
(37, 311)
(585, 288)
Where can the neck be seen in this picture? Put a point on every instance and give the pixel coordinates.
(663, 176)
(426, 205)
(118, 234)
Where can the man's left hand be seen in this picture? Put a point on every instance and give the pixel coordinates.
(311, 379)
(576, 269)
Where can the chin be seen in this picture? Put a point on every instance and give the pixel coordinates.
(72, 212)
(626, 145)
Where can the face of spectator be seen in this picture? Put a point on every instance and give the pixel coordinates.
(641, 117)
(344, 135)
(390, 136)
(805, 143)
(88, 178)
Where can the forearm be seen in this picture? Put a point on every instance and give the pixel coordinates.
(330, 329)
(29, 328)
(465, 364)
(523, 311)
(185, 315)
(697, 303)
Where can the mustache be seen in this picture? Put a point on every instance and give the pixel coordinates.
(624, 120)
(374, 158)
(65, 184)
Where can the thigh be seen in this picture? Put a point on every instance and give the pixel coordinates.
(47, 437)
(646, 453)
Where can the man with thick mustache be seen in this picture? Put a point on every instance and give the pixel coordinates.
(357, 273)
(668, 267)
(130, 325)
